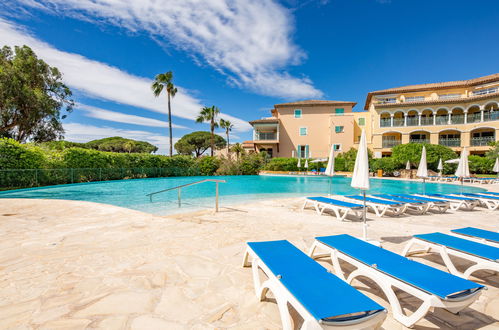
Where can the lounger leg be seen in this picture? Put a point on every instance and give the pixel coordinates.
(480, 266)
(282, 303)
(407, 250)
(246, 262)
(304, 205)
(336, 265)
(448, 262)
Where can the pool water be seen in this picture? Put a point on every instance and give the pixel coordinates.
(238, 189)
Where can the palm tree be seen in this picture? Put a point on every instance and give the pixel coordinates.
(209, 114)
(227, 125)
(164, 81)
(238, 149)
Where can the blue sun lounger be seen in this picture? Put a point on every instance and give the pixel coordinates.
(484, 256)
(340, 208)
(491, 193)
(389, 270)
(479, 235)
(381, 206)
(458, 202)
(321, 298)
(438, 204)
(418, 206)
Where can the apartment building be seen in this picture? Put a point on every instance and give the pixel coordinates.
(456, 114)
(307, 129)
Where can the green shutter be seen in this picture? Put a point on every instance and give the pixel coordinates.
(339, 111)
(306, 151)
(298, 155)
(362, 121)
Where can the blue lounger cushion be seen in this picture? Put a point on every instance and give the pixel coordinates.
(479, 233)
(420, 198)
(335, 202)
(399, 199)
(375, 200)
(457, 198)
(481, 196)
(323, 294)
(463, 245)
(491, 193)
(429, 279)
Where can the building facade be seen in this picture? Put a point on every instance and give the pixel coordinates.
(455, 114)
(307, 129)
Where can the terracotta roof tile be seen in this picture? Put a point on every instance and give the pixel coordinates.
(316, 102)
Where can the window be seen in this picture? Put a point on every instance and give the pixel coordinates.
(302, 151)
(414, 98)
(303, 131)
(337, 147)
(297, 113)
(338, 129)
(449, 96)
(362, 121)
(387, 100)
(486, 91)
(339, 111)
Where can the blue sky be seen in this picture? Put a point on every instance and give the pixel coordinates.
(243, 56)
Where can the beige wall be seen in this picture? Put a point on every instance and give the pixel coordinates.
(320, 122)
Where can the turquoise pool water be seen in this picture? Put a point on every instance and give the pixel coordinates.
(237, 189)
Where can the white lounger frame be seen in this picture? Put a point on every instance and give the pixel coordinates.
(341, 212)
(420, 208)
(490, 203)
(445, 252)
(387, 283)
(381, 209)
(283, 297)
(475, 239)
(456, 204)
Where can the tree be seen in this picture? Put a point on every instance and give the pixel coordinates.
(197, 143)
(32, 96)
(412, 152)
(209, 114)
(119, 144)
(164, 81)
(493, 153)
(227, 125)
(238, 149)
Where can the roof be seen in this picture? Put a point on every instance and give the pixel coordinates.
(315, 103)
(264, 121)
(433, 86)
(446, 101)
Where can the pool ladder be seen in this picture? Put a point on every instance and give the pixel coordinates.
(179, 191)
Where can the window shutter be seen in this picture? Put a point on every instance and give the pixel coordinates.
(299, 152)
(306, 151)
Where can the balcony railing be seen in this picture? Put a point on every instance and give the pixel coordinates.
(419, 140)
(397, 122)
(450, 142)
(426, 121)
(482, 141)
(385, 122)
(412, 121)
(474, 117)
(492, 115)
(442, 120)
(390, 143)
(457, 119)
(261, 136)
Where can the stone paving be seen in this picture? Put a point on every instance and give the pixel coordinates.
(80, 265)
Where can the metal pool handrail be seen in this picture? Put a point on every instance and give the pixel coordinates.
(190, 184)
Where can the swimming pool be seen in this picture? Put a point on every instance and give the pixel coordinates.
(237, 189)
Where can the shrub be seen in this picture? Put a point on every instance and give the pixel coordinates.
(481, 165)
(412, 152)
(282, 164)
(14, 155)
(208, 165)
(251, 164)
(387, 164)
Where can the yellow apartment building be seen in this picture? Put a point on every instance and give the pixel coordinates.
(456, 114)
(307, 129)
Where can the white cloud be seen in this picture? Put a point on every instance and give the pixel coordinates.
(119, 117)
(83, 133)
(103, 81)
(250, 41)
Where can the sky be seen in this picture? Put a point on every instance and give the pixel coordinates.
(243, 56)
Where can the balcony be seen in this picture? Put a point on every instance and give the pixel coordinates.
(412, 121)
(457, 119)
(490, 116)
(482, 141)
(450, 142)
(419, 140)
(442, 120)
(474, 117)
(425, 121)
(265, 136)
(390, 143)
(385, 122)
(397, 122)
